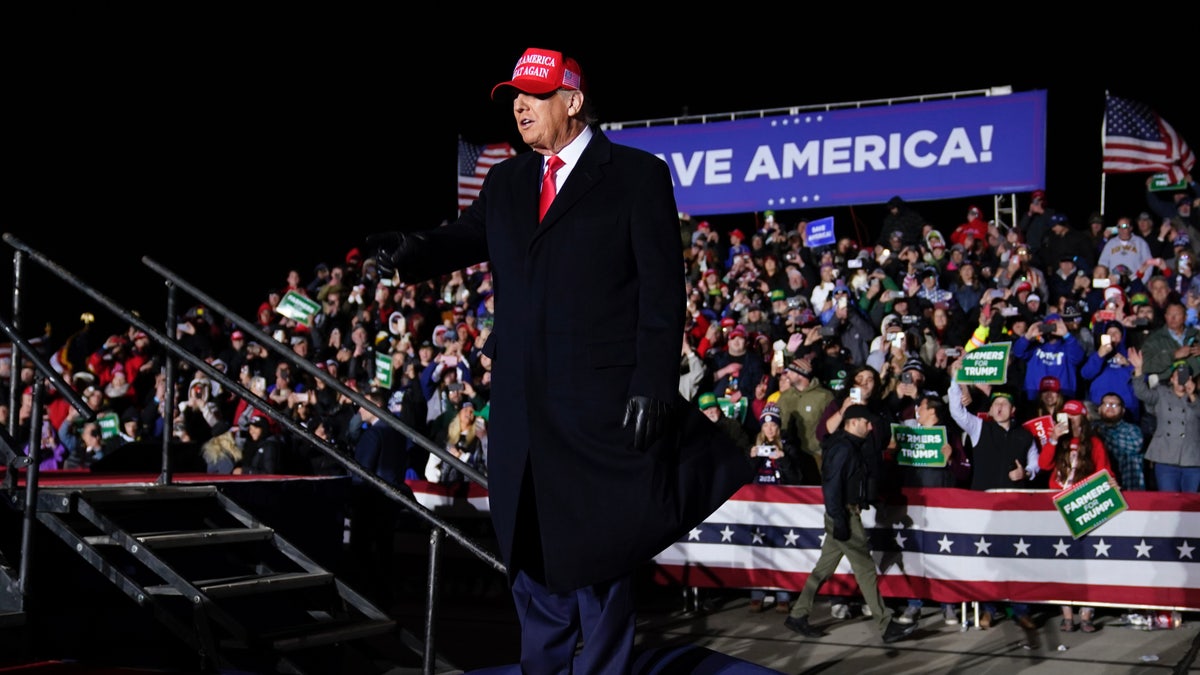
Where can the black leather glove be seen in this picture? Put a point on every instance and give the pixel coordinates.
(390, 249)
(841, 531)
(649, 419)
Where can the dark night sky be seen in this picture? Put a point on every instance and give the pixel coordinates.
(231, 158)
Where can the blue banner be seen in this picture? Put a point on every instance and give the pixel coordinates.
(941, 149)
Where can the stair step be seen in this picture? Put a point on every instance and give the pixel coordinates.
(228, 535)
(321, 634)
(232, 587)
(182, 539)
(149, 493)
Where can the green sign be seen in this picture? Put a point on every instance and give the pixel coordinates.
(383, 369)
(1090, 503)
(986, 365)
(1159, 183)
(920, 446)
(298, 307)
(110, 425)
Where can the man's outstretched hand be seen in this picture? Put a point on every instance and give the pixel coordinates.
(389, 249)
(648, 417)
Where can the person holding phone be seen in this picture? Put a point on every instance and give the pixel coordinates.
(776, 462)
(1173, 450)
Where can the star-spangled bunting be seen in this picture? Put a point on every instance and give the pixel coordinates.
(952, 545)
(1137, 140)
(474, 162)
(943, 545)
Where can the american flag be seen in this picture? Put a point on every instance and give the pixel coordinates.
(474, 161)
(1137, 140)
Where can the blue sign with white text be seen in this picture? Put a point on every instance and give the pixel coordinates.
(939, 149)
(820, 232)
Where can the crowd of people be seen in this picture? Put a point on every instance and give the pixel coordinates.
(782, 339)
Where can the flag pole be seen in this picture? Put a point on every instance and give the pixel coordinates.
(1103, 138)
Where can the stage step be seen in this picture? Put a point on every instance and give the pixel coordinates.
(225, 583)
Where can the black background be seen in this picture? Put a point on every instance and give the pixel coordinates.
(230, 151)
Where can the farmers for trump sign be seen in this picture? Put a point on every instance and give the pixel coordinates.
(986, 365)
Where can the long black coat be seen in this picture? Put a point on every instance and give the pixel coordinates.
(589, 311)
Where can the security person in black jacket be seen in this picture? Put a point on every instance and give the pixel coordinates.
(847, 484)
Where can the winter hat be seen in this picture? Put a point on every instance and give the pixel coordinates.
(856, 411)
(800, 368)
(770, 413)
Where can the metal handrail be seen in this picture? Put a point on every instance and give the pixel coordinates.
(402, 496)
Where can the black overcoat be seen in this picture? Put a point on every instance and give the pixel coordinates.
(589, 310)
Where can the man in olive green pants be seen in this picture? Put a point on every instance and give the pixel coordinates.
(845, 487)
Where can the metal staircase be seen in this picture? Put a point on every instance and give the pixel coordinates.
(218, 579)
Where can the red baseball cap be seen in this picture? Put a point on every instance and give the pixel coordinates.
(1049, 383)
(541, 71)
(1074, 407)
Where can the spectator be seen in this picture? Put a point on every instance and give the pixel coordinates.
(463, 443)
(974, 227)
(708, 404)
(736, 367)
(1127, 248)
(1048, 348)
(931, 411)
(379, 450)
(1107, 369)
(1035, 222)
(1173, 451)
(82, 440)
(262, 451)
(1004, 455)
(1076, 454)
(1064, 240)
(800, 406)
(1123, 440)
(776, 462)
(1064, 283)
(222, 455)
(905, 220)
(1174, 341)
(1157, 237)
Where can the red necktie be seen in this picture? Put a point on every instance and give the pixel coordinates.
(548, 190)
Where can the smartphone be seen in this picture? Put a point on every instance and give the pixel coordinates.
(906, 377)
(1060, 418)
(765, 450)
(854, 263)
(1105, 340)
(1009, 311)
(856, 394)
(897, 294)
(1101, 283)
(953, 352)
(842, 303)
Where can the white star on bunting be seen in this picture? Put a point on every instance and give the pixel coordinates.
(1022, 547)
(1143, 549)
(1061, 548)
(983, 547)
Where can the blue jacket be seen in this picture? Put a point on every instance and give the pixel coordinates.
(1102, 376)
(1060, 357)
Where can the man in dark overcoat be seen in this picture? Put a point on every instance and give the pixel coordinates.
(595, 462)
